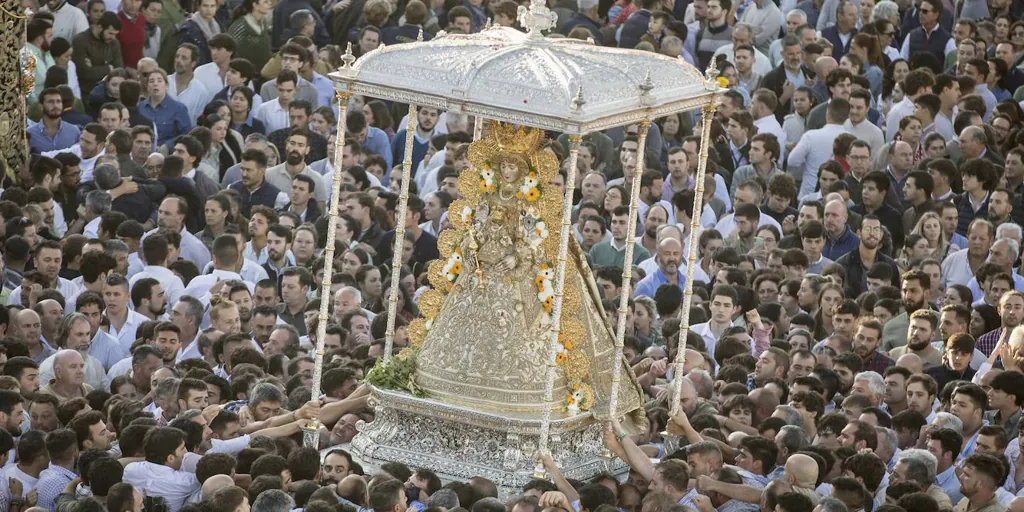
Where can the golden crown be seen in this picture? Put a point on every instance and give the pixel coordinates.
(515, 139)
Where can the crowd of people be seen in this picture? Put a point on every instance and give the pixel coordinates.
(855, 341)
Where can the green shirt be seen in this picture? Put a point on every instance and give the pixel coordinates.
(606, 254)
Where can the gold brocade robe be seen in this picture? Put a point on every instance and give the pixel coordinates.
(488, 344)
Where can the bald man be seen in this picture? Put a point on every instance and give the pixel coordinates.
(68, 376)
(802, 473)
(353, 488)
(215, 482)
(28, 328)
(974, 144)
(911, 362)
(669, 259)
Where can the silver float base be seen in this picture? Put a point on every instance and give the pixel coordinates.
(459, 443)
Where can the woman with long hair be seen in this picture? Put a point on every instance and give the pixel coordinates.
(673, 131)
(866, 46)
(322, 121)
(250, 28)
(915, 248)
(227, 143)
(929, 226)
(830, 295)
(894, 74)
(1017, 36)
(379, 116)
(241, 109)
(646, 324)
(217, 212)
(909, 132)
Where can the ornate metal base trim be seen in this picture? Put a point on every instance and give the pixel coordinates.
(459, 443)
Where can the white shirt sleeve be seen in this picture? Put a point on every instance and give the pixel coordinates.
(231, 446)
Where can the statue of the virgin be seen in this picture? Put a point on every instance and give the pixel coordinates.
(487, 321)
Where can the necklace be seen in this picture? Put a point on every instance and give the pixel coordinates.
(502, 194)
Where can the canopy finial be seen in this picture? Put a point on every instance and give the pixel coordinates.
(348, 58)
(536, 18)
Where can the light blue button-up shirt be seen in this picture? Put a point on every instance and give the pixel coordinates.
(39, 141)
(948, 481)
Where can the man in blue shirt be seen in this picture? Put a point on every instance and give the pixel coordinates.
(372, 140)
(169, 115)
(52, 133)
(426, 125)
(669, 258)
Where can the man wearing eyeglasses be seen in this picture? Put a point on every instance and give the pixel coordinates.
(930, 36)
(294, 58)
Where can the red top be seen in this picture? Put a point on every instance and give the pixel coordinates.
(132, 38)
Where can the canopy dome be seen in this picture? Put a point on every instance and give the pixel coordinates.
(501, 73)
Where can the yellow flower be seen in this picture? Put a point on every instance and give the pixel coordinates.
(569, 400)
(723, 82)
(567, 345)
(532, 195)
(548, 304)
(540, 283)
(560, 358)
(456, 268)
(483, 186)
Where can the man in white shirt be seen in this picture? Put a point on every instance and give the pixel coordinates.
(815, 146)
(917, 82)
(68, 20)
(122, 323)
(225, 257)
(171, 216)
(183, 86)
(748, 192)
(160, 474)
(48, 262)
(91, 144)
(762, 108)
(156, 251)
(274, 113)
(743, 34)
(33, 460)
(212, 74)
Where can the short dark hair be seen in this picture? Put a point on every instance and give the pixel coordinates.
(162, 442)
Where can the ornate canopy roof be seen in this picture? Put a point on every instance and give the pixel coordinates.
(500, 73)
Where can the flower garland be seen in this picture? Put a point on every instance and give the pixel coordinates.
(487, 179)
(581, 397)
(546, 290)
(536, 230)
(530, 189)
(452, 269)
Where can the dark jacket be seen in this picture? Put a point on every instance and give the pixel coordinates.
(831, 34)
(189, 32)
(634, 28)
(774, 81)
(944, 374)
(891, 218)
(265, 196)
(281, 21)
(581, 20)
(103, 58)
(313, 212)
(404, 34)
(725, 161)
(857, 275)
(195, 220)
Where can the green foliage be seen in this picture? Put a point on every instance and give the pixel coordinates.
(396, 373)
